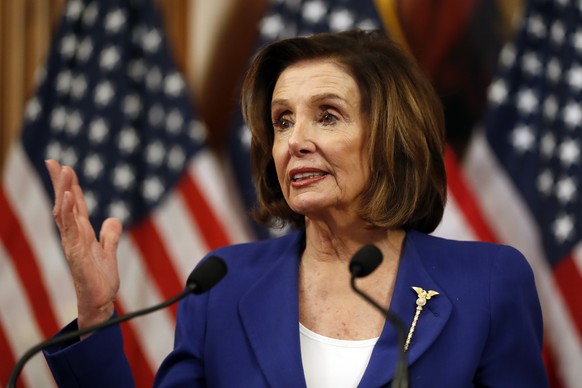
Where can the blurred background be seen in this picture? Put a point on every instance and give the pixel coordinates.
(141, 98)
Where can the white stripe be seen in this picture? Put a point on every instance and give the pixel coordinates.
(154, 332)
(179, 232)
(454, 224)
(27, 198)
(17, 321)
(508, 216)
(216, 183)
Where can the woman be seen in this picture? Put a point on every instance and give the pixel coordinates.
(347, 147)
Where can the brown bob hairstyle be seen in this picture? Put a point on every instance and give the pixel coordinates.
(407, 187)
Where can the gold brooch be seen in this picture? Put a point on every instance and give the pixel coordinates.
(423, 297)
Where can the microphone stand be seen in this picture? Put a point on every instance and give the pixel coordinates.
(401, 370)
(202, 278)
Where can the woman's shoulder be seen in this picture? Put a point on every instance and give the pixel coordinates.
(469, 256)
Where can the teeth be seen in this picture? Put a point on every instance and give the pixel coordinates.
(307, 175)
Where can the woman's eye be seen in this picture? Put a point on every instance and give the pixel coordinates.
(328, 118)
(282, 123)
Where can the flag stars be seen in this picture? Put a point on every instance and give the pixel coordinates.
(33, 109)
(63, 82)
(132, 105)
(536, 26)
(154, 79)
(572, 114)
(271, 27)
(155, 153)
(68, 46)
(156, 115)
(58, 118)
(93, 167)
(74, 123)
(53, 150)
(554, 70)
(507, 56)
(174, 121)
(90, 14)
(136, 69)
(79, 86)
(569, 152)
(575, 77)
(545, 182)
(91, 201)
(174, 84)
(118, 209)
(109, 58)
(558, 32)
(566, 190)
(85, 49)
(341, 20)
(152, 40)
(128, 140)
(74, 10)
(176, 158)
(531, 63)
(550, 107)
(98, 130)
(314, 11)
(577, 39)
(104, 93)
(152, 188)
(548, 145)
(522, 138)
(197, 131)
(114, 21)
(527, 101)
(563, 228)
(498, 92)
(123, 177)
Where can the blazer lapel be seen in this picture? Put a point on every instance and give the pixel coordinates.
(432, 319)
(270, 317)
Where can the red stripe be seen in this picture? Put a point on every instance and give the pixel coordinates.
(568, 279)
(23, 259)
(8, 359)
(465, 199)
(211, 229)
(142, 371)
(157, 260)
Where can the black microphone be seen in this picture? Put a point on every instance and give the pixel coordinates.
(364, 262)
(202, 279)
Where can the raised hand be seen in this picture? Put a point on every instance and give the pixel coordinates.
(93, 263)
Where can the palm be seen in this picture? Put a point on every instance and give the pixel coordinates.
(93, 263)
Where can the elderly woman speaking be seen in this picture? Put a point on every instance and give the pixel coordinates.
(347, 147)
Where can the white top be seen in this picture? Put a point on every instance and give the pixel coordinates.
(330, 362)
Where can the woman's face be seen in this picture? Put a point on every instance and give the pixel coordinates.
(320, 139)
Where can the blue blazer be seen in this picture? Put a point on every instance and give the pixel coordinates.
(483, 329)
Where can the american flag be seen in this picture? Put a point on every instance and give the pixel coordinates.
(524, 169)
(111, 104)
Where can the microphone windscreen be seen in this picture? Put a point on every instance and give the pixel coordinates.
(365, 261)
(206, 275)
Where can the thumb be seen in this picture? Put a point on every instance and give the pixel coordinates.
(110, 235)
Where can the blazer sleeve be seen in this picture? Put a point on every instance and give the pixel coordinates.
(96, 361)
(512, 356)
(184, 365)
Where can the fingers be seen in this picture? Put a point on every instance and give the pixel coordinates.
(110, 235)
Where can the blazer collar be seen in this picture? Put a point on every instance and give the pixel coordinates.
(270, 315)
(435, 314)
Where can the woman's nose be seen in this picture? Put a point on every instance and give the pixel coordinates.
(301, 141)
